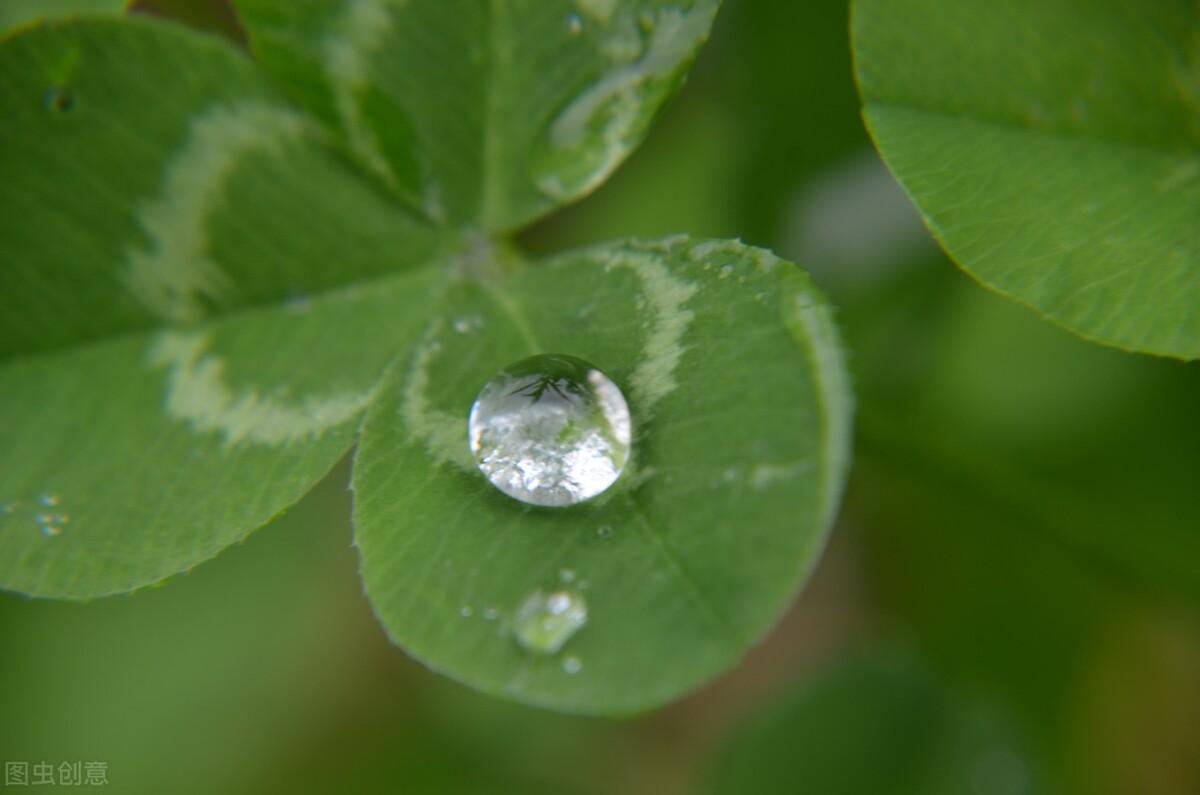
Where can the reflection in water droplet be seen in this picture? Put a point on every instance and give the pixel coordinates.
(572, 665)
(551, 430)
(546, 621)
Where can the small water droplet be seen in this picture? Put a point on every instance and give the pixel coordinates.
(49, 500)
(604, 531)
(725, 272)
(51, 524)
(465, 325)
(551, 430)
(567, 575)
(466, 611)
(574, 24)
(491, 614)
(7, 508)
(58, 100)
(546, 621)
(572, 665)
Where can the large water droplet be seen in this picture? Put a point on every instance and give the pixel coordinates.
(551, 430)
(546, 621)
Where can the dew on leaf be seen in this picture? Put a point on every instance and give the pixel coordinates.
(466, 611)
(491, 614)
(604, 531)
(551, 430)
(567, 575)
(49, 500)
(574, 24)
(572, 665)
(51, 524)
(465, 325)
(546, 621)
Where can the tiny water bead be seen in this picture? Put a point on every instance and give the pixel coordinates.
(546, 621)
(551, 430)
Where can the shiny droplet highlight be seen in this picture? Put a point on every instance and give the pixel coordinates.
(551, 430)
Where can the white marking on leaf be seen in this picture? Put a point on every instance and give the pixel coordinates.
(599, 10)
(358, 33)
(443, 434)
(676, 34)
(197, 394)
(654, 376)
(174, 275)
(763, 476)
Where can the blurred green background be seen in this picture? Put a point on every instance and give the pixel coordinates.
(1008, 605)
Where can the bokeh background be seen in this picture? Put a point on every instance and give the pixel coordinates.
(1008, 604)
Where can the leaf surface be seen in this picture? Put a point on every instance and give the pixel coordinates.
(1053, 147)
(740, 446)
(175, 365)
(485, 114)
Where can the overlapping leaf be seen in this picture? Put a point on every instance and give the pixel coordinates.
(482, 113)
(131, 450)
(1052, 146)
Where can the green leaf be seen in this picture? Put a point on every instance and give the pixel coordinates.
(1052, 147)
(482, 113)
(740, 448)
(129, 451)
(18, 13)
(878, 724)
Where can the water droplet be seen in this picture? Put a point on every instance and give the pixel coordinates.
(604, 531)
(551, 430)
(574, 24)
(466, 611)
(572, 665)
(491, 614)
(7, 508)
(51, 524)
(58, 100)
(49, 500)
(567, 575)
(465, 325)
(546, 621)
(725, 272)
